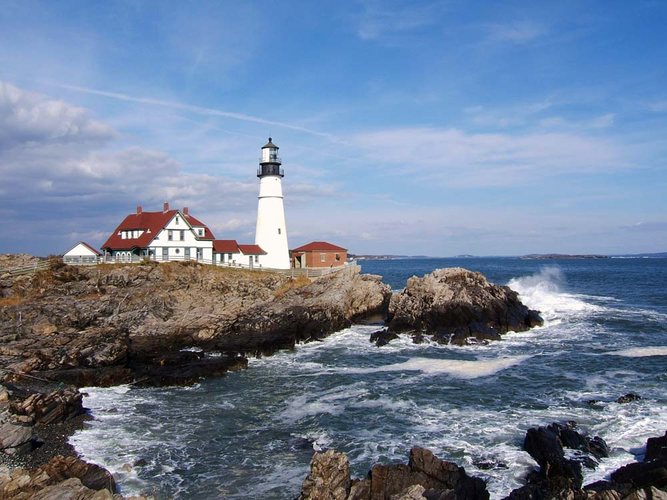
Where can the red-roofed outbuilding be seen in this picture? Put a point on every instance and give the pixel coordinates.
(318, 254)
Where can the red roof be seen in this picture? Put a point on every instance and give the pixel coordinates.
(252, 250)
(151, 223)
(319, 246)
(226, 246)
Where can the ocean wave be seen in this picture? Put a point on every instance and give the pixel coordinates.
(543, 291)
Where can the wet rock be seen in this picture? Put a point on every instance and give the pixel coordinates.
(656, 448)
(329, 477)
(484, 464)
(642, 474)
(628, 398)
(557, 473)
(545, 446)
(383, 337)
(455, 304)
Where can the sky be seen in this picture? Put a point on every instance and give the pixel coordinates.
(405, 127)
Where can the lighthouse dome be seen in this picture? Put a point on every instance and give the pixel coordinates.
(270, 145)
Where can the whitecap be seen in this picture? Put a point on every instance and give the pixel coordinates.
(543, 291)
(640, 352)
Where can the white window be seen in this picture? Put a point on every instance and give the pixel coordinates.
(182, 235)
(201, 232)
(323, 257)
(170, 235)
(177, 220)
(256, 259)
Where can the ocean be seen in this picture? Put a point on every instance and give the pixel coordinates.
(252, 433)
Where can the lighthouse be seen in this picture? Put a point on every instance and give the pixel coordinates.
(271, 232)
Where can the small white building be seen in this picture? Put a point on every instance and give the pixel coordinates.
(81, 253)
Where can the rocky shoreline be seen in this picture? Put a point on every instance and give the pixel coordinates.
(427, 476)
(172, 324)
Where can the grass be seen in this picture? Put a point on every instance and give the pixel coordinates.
(11, 301)
(292, 284)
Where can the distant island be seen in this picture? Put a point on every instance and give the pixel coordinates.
(388, 257)
(559, 256)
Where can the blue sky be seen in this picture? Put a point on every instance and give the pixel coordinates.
(436, 128)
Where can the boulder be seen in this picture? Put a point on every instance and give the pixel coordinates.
(60, 468)
(48, 408)
(628, 398)
(382, 337)
(455, 305)
(545, 445)
(70, 489)
(15, 438)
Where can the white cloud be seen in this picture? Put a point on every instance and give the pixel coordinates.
(199, 110)
(27, 117)
(454, 157)
(380, 19)
(658, 106)
(516, 32)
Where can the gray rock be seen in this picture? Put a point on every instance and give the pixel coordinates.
(14, 436)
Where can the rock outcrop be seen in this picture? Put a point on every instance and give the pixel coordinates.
(61, 477)
(424, 476)
(459, 306)
(104, 325)
(560, 477)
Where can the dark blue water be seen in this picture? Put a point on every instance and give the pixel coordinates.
(252, 434)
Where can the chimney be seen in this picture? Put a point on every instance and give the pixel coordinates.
(165, 207)
(139, 210)
(186, 211)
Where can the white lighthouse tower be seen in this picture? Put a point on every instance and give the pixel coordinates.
(271, 232)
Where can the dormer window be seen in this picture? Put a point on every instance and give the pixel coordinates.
(201, 232)
(177, 220)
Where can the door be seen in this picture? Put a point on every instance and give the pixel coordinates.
(165, 253)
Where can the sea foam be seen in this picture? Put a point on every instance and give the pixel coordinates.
(455, 368)
(543, 291)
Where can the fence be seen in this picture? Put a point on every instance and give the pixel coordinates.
(135, 259)
(32, 268)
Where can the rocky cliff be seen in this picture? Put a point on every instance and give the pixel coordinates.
(104, 325)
